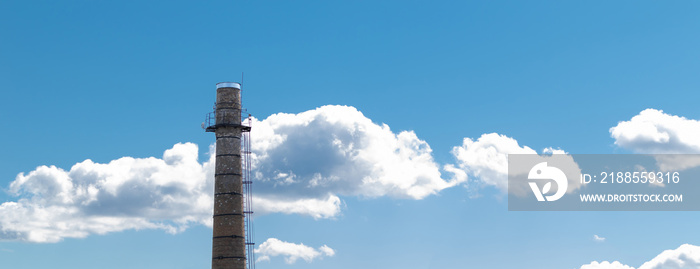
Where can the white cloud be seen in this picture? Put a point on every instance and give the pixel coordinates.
(486, 159)
(606, 265)
(319, 155)
(655, 132)
(315, 207)
(326, 250)
(92, 198)
(684, 257)
(291, 252)
(303, 164)
(598, 238)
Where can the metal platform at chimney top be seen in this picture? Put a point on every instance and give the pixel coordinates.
(210, 125)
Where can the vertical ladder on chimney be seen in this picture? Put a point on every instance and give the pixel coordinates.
(248, 196)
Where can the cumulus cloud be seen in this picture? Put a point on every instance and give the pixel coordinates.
(291, 252)
(486, 160)
(321, 154)
(302, 163)
(653, 131)
(685, 256)
(93, 198)
(487, 157)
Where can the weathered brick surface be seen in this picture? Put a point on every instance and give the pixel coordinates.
(228, 248)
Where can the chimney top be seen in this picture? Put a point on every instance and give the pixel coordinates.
(228, 85)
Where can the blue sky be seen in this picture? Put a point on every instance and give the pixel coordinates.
(103, 80)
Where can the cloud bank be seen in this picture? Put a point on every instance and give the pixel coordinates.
(685, 256)
(302, 164)
(92, 198)
(291, 252)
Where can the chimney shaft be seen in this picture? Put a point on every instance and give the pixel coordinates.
(229, 248)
